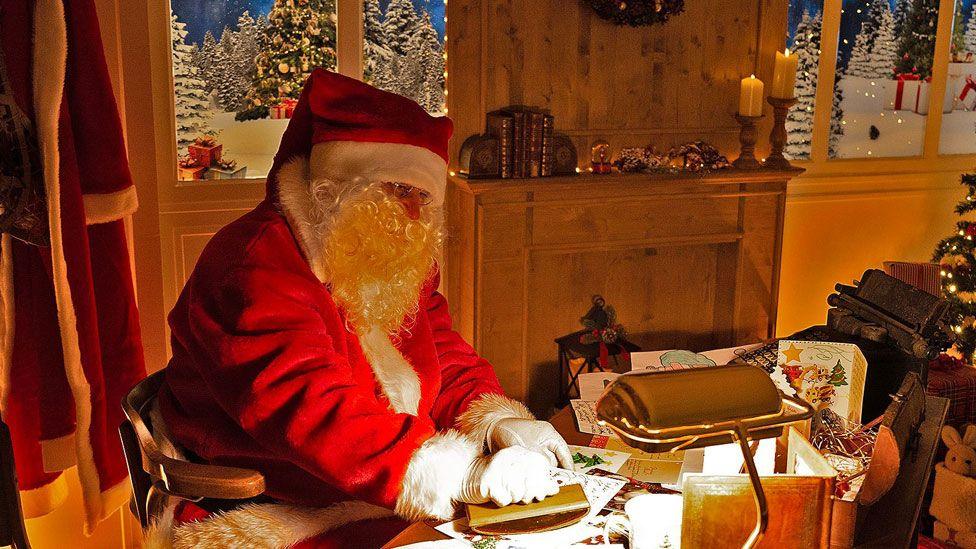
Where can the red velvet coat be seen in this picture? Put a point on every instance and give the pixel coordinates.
(266, 375)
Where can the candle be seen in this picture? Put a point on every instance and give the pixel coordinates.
(784, 75)
(751, 97)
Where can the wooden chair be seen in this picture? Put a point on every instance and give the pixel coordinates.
(157, 477)
(12, 530)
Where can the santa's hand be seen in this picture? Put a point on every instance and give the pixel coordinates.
(510, 475)
(538, 436)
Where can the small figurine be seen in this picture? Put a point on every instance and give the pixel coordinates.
(600, 158)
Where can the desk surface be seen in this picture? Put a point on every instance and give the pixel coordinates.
(565, 424)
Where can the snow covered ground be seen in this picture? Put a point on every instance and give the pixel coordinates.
(252, 143)
(900, 133)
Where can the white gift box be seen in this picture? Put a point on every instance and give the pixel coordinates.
(922, 105)
(906, 100)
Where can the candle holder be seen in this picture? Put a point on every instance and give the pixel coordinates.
(747, 138)
(777, 138)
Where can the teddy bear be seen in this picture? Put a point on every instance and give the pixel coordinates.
(954, 496)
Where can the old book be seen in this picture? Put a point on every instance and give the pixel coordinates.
(548, 127)
(534, 154)
(501, 125)
(519, 142)
(567, 507)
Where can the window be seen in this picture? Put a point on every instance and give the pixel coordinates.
(958, 135)
(238, 68)
(894, 62)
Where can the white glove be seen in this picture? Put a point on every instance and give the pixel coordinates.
(539, 436)
(511, 475)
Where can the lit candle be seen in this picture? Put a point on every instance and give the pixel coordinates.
(751, 97)
(784, 75)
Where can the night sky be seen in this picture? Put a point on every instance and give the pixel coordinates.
(213, 15)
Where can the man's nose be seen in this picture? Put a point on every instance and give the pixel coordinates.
(412, 205)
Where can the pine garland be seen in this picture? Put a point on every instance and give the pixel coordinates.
(955, 255)
(637, 13)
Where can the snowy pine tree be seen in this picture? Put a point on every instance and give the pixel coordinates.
(969, 37)
(426, 49)
(836, 119)
(884, 50)
(861, 52)
(901, 11)
(799, 121)
(301, 37)
(916, 43)
(375, 50)
(191, 102)
(204, 60)
(399, 25)
(229, 80)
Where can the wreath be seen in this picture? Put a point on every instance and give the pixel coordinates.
(636, 13)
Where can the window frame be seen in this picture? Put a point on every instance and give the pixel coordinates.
(819, 163)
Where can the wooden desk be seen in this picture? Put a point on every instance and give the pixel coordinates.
(563, 421)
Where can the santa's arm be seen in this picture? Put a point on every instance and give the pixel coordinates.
(272, 366)
(471, 397)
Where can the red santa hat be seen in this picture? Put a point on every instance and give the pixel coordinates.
(349, 130)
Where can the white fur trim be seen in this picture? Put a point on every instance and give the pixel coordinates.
(106, 207)
(435, 476)
(268, 525)
(484, 412)
(295, 197)
(372, 162)
(396, 376)
(49, 58)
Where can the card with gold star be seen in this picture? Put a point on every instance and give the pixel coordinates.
(825, 374)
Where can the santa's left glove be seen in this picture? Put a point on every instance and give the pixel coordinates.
(537, 436)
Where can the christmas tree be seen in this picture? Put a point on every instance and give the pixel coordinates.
(884, 51)
(969, 37)
(301, 37)
(957, 48)
(399, 25)
(957, 257)
(836, 119)
(190, 98)
(799, 121)
(916, 44)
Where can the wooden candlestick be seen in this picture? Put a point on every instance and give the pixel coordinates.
(747, 138)
(777, 138)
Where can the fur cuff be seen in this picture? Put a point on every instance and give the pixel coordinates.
(482, 414)
(435, 476)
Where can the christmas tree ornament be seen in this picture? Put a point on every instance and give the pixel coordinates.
(600, 157)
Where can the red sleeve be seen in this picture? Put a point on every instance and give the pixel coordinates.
(276, 372)
(465, 376)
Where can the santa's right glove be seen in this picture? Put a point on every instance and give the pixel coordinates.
(512, 474)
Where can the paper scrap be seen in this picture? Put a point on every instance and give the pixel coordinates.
(597, 458)
(679, 359)
(598, 490)
(586, 420)
(648, 470)
(591, 385)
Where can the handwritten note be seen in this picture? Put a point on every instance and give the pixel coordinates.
(586, 419)
(592, 385)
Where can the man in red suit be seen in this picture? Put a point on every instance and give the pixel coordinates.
(311, 344)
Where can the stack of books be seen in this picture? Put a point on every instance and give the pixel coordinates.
(525, 141)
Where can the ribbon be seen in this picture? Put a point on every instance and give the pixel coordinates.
(900, 90)
(970, 85)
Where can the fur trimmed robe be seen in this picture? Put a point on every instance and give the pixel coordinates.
(69, 326)
(265, 374)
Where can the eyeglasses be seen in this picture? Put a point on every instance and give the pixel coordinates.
(403, 192)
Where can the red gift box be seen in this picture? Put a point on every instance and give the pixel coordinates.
(284, 109)
(191, 173)
(205, 153)
(290, 105)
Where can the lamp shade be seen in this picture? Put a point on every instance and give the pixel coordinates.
(657, 411)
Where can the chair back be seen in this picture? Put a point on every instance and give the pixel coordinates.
(12, 530)
(155, 476)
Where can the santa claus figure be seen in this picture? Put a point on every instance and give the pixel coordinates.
(311, 344)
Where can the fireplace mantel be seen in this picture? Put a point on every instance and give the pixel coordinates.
(688, 261)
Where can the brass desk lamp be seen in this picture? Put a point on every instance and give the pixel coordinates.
(667, 411)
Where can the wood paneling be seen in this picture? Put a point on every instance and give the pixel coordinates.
(688, 262)
(663, 84)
